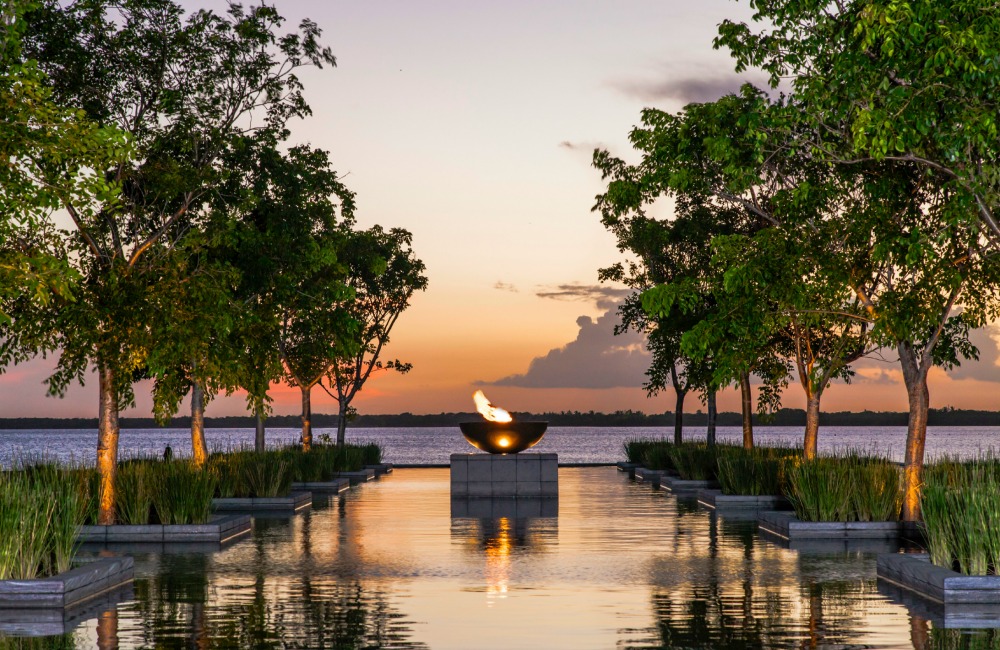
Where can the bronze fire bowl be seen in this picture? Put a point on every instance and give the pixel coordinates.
(503, 437)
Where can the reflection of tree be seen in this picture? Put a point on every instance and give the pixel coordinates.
(64, 642)
(706, 620)
(270, 612)
(947, 639)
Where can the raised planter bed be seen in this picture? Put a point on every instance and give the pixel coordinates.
(219, 529)
(381, 469)
(651, 476)
(716, 500)
(787, 526)
(67, 589)
(628, 468)
(951, 615)
(56, 621)
(336, 486)
(359, 476)
(676, 485)
(914, 571)
(293, 502)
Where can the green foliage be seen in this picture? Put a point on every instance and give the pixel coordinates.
(851, 487)
(384, 274)
(249, 474)
(635, 448)
(960, 503)
(182, 493)
(695, 461)
(134, 483)
(41, 510)
(757, 471)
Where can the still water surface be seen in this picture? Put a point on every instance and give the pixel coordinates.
(387, 565)
(434, 445)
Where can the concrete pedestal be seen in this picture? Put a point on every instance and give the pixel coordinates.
(504, 475)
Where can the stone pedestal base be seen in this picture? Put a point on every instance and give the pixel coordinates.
(504, 475)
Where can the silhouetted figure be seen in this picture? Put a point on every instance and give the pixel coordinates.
(168, 454)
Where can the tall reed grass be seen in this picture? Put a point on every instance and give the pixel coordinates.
(960, 503)
(758, 471)
(695, 461)
(182, 492)
(41, 510)
(250, 474)
(854, 486)
(635, 449)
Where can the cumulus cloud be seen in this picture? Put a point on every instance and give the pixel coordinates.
(596, 359)
(883, 368)
(605, 297)
(986, 368)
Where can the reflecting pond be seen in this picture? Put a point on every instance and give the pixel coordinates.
(613, 565)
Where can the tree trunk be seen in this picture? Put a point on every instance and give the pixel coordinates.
(810, 443)
(199, 449)
(342, 424)
(915, 378)
(712, 412)
(259, 443)
(107, 629)
(679, 417)
(746, 402)
(107, 444)
(307, 431)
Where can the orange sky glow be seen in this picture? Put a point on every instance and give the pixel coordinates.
(473, 126)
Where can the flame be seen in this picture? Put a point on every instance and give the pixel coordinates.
(488, 411)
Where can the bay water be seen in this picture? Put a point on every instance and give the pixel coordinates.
(434, 445)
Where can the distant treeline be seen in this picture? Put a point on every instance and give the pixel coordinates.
(785, 417)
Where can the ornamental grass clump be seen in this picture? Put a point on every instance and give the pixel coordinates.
(851, 487)
(754, 472)
(636, 448)
(695, 461)
(248, 474)
(960, 503)
(182, 492)
(41, 510)
(371, 453)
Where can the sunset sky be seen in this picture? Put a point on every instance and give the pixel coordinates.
(472, 124)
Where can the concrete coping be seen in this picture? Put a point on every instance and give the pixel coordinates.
(220, 528)
(295, 501)
(69, 588)
(337, 485)
(914, 571)
(787, 526)
(715, 499)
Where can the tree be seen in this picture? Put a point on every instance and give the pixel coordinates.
(186, 90)
(384, 276)
(671, 166)
(49, 153)
(914, 85)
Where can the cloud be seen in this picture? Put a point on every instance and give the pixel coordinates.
(883, 367)
(603, 296)
(686, 87)
(596, 359)
(505, 286)
(986, 369)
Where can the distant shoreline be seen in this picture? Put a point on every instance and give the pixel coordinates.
(785, 417)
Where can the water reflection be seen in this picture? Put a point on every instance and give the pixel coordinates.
(511, 528)
(616, 565)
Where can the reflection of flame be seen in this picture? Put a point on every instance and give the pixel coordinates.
(488, 411)
(498, 552)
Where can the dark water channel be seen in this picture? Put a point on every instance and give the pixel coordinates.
(387, 566)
